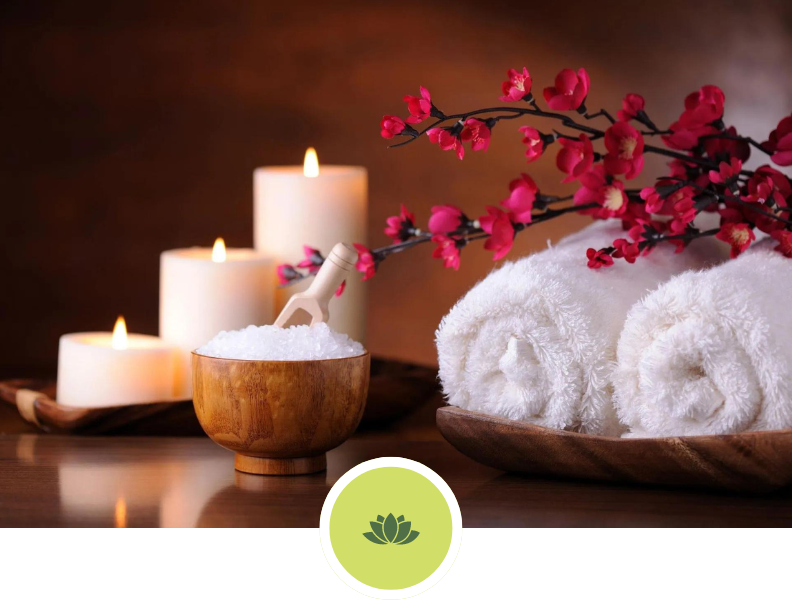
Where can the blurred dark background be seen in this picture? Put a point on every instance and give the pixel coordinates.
(129, 128)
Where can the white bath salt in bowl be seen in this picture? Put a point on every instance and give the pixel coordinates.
(296, 343)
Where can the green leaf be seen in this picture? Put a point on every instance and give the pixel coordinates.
(413, 536)
(400, 519)
(373, 538)
(404, 531)
(390, 527)
(377, 528)
(380, 518)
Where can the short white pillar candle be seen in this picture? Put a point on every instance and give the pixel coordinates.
(102, 369)
(205, 291)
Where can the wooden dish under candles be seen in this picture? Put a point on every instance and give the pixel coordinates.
(280, 417)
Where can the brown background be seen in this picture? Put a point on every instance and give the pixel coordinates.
(128, 128)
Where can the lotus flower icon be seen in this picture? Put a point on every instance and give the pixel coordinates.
(391, 530)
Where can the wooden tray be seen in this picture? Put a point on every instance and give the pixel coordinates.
(747, 462)
(395, 389)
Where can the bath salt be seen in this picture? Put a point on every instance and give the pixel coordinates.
(319, 342)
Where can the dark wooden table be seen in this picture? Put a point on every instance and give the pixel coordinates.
(48, 480)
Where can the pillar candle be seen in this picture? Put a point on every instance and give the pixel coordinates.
(100, 369)
(317, 206)
(204, 291)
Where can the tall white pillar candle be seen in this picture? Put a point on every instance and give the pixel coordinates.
(201, 295)
(317, 206)
(100, 369)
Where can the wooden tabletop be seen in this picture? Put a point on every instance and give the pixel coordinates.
(49, 480)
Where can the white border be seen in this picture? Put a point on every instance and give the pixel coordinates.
(456, 528)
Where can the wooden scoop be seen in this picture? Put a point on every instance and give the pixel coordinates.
(316, 299)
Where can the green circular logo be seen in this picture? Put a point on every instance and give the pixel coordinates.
(390, 528)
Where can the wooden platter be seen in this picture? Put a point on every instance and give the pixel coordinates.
(747, 462)
(395, 389)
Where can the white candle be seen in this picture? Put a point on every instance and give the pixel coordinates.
(205, 291)
(317, 206)
(98, 369)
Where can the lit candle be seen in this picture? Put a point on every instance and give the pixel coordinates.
(98, 369)
(317, 206)
(205, 291)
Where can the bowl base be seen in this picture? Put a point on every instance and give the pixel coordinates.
(280, 466)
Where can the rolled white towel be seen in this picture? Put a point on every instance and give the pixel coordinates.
(711, 352)
(536, 339)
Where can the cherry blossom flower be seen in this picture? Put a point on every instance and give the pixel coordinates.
(534, 142)
(286, 273)
(771, 188)
(702, 108)
(521, 198)
(628, 250)
(575, 157)
(625, 147)
(728, 147)
(684, 212)
(445, 219)
(598, 259)
(517, 87)
(784, 238)
(477, 133)
(654, 202)
(447, 141)
(727, 172)
(420, 107)
(606, 192)
(738, 235)
(400, 227)
(632, 105)
(366, 263)
(780, 142)
(498, 225)
(569, 92)
(313, 259)
(447, 249)
(391, 126)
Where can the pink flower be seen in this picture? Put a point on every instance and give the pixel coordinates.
(341, 288)
(575, 157)
(499, 226)
(629, 251)
(684, 212)
(286, 273)
(447, 141)
(771, 188)
(726, 172)
(598, 259)
(400, 227)
(625, 147)
(738, 235)
(477, 133)
(391, 126)
(702, 108)
(784, 238)
(606, 192)
(631, 106)
(517, 87)
(366, 264)
(313, 259)
(445, 219)
(521, 198)
(780, 142)
(447, 249)
(420, 107)
(654, 202)
(569, 92)
(723, 149)
(534, 142)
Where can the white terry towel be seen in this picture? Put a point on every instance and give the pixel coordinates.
(711, 352)
(536, 340)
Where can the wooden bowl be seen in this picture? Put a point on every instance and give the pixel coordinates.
(280, 417)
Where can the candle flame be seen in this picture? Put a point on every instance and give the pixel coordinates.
(219, 251)
(119, 340)
(311, 164)
(120, 513)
